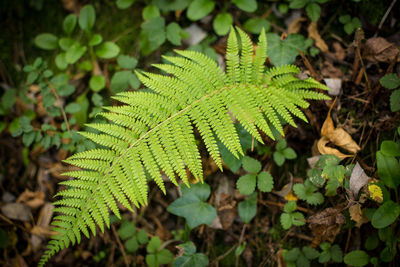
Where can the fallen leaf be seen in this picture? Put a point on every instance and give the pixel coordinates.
(33, 199)
(380, 50)
(324, 149)
(338, 137)
(17, 211)
(357, 215)
(339, 53)
(330, 71)
(326, 225)
(314, 34)
(358, 179)
(295, 25)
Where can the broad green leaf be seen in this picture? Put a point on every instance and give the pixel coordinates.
(153, 245)
(356, 258)
(28, 138)
(279, 158)
(395, 101)
(107, 50)
(87, 18)
(336, 253)
(73, 108)
(313, 11)
(281, 145)
(345, 19)
(164, 256)
(390, 81)
(32, 77)
(298, 4)
(255, 25)
(122, 80)
(150, 12)
(265, 182)
(385, 215)
(390, 148)
(190, 258)
(69, 23)
(65, 43)
(292, 254)
(131, 245)
(95, 40)
(198, 9)
(74, 53)
(192, 207)
(247, 184)
(174, 33)
(152, 35)
(124, 4)
(388, 170)
(298, 219)
(289, 153)
(127, 62)
(61, 61)
(251, 165)
(46, 41)
(246, 5)
(8, 98)
(372, 242)
(310, 253)
(142, 237)
(286, 220)
(222, 23)
(97, 82)
(248, 208)
(290, 207)
(286, 51)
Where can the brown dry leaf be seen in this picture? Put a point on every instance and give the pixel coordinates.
(339, 53)
(17, 211)
(324, 149)
(32, 199)
(326, 225)
(314, 34)
(295, 25)
(358, 215)
(337, 136)
(328, 70)
(358, 179)
(380, 50)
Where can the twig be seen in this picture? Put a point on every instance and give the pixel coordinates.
(384, 17)
(53, 91)
(121, 247)
(240, 242)
(309, 66)
(267, 202)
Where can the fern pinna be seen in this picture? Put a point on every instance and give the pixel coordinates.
(153, 131)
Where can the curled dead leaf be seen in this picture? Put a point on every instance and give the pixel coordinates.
(314, 34)
(324, 149)
(358, 179)
(357, 215)
(380, 50)
(338, 137)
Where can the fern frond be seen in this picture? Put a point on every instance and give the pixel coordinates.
(151, 135)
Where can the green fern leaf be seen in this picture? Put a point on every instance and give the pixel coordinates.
(151, 135)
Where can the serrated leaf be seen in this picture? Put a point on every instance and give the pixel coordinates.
(279, 158)
(290, 207)
(289, 153)
(265, 182)
(247, 184)
(390, 81)
(310, 253)
(286, 220)
(131, 245)
(251, 165)
(126, 230)
(286, 51)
